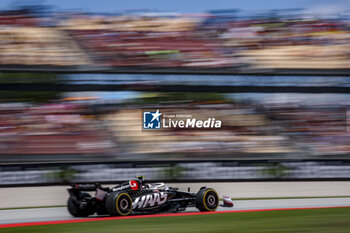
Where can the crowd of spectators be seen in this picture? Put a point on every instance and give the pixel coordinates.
(158, 41)
(57, 128)
(25, 42)
(248, 131)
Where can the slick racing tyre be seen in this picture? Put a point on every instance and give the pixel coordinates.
(207, 200)
(75, 209)
(118, 203)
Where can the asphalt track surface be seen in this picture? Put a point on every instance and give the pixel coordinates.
(60, 213)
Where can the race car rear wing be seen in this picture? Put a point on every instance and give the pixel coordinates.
(100, 192)
(86, 187)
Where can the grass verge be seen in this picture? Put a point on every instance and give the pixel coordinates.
(335, 220)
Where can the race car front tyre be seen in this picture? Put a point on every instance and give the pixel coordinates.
(207, 200)
(118, 203)
(74, 207)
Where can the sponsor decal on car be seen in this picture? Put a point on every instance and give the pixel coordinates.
(121, 188)
(134, 185)
(150, 200)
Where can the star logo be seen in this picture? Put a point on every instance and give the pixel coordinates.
(156, 115)
(152, 119)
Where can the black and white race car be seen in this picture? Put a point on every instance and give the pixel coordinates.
(138, 197)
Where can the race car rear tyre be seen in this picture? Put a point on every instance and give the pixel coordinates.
(207, 200)
(74, 207)
(118, 203)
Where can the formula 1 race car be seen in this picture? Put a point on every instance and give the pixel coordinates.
(138, 197)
